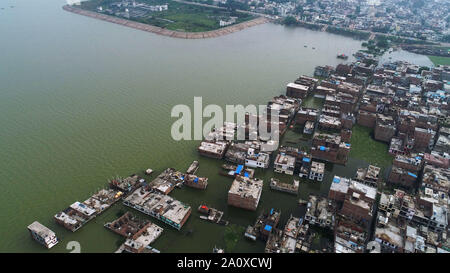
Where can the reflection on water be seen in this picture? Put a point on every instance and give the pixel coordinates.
(402, 55)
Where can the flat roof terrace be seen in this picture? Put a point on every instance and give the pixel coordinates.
(160, 206)
(247, 187)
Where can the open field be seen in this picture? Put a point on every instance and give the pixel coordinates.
(440, 60)
(364, 147)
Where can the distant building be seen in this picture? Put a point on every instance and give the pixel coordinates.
(297, 90)
(230, 21)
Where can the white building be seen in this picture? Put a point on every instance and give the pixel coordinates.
(317, 171)
(42, 234)
(284, 164)
(260, 160)
(230, 21)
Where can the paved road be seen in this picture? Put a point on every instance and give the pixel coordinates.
(223, 8)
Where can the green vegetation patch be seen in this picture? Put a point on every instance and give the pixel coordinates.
(349, 32)
(313, 102)
(232, 235)
(178, 16)
(437, 60)
(364, 147)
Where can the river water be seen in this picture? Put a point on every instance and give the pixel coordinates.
(83, 100)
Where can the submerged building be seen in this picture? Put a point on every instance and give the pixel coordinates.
(42, 234)
(245, 192)
(158, 205)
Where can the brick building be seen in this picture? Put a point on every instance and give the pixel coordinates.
(245, 192)
(384, 128)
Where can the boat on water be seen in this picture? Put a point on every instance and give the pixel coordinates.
(342, 56)
(218, 250)
(193, 167)
(235, 170)
(228, 167)
(211, 215)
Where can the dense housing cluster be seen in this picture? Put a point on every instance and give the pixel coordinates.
(402, 208)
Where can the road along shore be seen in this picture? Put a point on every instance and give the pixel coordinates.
(167, 32)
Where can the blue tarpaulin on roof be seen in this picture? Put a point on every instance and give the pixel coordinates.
(271, 211)
(239, 169)
(336, 180)
(306, 159)
(196, 180)
(268, 228)
(413, 175)
(246, 174)
(322, 148)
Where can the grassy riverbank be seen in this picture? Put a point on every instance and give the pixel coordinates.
(437, 60)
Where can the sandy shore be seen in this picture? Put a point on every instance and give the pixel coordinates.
(167, 32)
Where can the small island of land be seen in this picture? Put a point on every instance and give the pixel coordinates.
(170, 18)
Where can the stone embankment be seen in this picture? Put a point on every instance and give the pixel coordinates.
(167, 32)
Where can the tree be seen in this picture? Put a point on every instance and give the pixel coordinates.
(383, 43)
(290, 20)
(418, 4)
(423, 68)
(446, 38)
